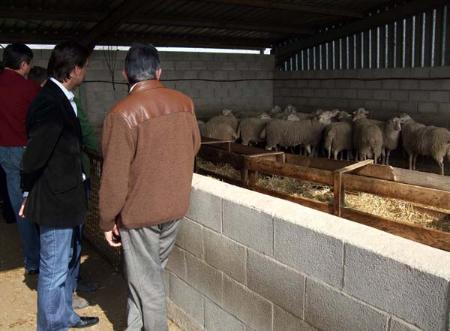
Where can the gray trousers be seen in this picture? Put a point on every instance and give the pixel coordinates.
(146, 251)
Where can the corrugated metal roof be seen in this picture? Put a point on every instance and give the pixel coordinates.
(213, 23)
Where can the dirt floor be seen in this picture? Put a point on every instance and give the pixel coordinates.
(18, 292)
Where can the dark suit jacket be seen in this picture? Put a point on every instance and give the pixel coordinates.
(51, 166)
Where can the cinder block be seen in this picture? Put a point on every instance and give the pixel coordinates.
(409, 84)
(182, 65)
(249, 307)
(206, 209)
(328, 309)
(328, 84)
(381, 95)
(373, 105)
(444, 108)
(228, 65)
(275, 282)
(181, 318)
(248, 226)
(349, 93)
(407, 107)
(440, 96)
(396, 324)
(389, 106)
(431, 84)
(428, 107)
(217, 319)
(413, 295)
(365, 94)
(398, 95)
(225, 255)
(391, 84)
(187, 298)
(373, 84)
(204, 278)
(189, 237)
(309, 252)
(198, 65)
(177, 262)
(284, 321)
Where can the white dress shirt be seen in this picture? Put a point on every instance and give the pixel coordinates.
(68, 94)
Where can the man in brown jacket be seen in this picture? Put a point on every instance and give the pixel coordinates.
(149, 143)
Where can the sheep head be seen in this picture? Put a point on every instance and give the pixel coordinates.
(227, 112)
(276, 109)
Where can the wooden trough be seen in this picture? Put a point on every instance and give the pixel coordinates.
(425, 189)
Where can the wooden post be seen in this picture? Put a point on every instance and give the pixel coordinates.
(338, 189)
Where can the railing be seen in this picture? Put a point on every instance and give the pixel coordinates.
(428, 190)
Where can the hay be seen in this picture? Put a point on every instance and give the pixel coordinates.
(396, 210)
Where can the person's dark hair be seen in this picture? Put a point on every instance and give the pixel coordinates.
(64, 58)
(38, 74)
(15, 54)
(141, 63)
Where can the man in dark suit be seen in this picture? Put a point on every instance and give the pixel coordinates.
(53, 176)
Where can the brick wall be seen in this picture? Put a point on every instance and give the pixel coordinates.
(246, 261)
(422, 92)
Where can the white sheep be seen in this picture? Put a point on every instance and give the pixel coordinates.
(420, 139)
(223, 127)
(391, 137)
(221, 131)
(367, 137)
(202, 127)
(250, 128)
(305, 133)
(338, 136)
(409, 137)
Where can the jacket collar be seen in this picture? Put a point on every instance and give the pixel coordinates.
(146, 85)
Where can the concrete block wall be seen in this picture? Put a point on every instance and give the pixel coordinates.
(247, 261)
(422, 92)
(253, 93)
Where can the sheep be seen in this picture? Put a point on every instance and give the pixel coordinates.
(420, 139)
(292, 133)
(409, 138)
(222, 127)
(275, 110)
(367, 137)
(290, 109)
(201, 127)
(221, 131)
(250, 128)
(338, 136)
(391, 136)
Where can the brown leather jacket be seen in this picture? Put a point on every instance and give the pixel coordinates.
(149, 143)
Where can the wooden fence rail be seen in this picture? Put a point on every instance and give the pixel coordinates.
(428, 190)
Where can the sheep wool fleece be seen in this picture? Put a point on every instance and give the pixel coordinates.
(150, 139)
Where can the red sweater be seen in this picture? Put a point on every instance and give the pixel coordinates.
(16, 94)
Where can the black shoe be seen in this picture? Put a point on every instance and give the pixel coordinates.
(85, 322)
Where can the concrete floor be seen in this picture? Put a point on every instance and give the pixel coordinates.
(18, 292)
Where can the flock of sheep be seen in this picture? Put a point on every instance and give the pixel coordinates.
(334, 131)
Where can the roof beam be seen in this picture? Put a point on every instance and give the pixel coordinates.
(126, 39)
(28, 14)
(223, 24)
(112, 21)
(397, 13)
(272, 4)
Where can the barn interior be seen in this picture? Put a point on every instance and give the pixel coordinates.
(388, 57)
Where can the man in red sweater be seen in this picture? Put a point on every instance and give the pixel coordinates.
(150, 139)
(16, 94)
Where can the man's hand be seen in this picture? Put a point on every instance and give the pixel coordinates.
(113, 237)
(22, 208)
